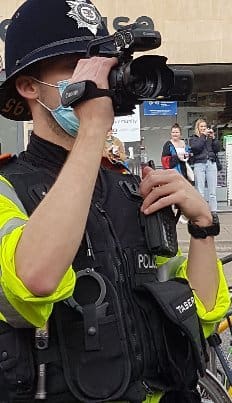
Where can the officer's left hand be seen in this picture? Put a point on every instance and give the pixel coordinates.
(160, 188)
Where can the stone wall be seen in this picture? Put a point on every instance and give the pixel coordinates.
(193, 31)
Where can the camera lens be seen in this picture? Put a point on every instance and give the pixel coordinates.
(144, 85)
(136, 80)
(147, 77)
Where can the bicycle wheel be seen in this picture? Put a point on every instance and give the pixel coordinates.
(211, 390)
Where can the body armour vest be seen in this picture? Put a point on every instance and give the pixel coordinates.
(123, 333)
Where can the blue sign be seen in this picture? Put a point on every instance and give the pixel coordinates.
(160, 108)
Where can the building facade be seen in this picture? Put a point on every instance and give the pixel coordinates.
(196, 35)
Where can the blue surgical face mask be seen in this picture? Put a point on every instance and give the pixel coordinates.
(65, 117)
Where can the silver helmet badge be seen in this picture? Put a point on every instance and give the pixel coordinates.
(85, 14)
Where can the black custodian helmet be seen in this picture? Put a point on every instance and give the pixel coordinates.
(41, 29)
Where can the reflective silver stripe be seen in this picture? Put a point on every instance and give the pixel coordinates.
(168, 270)
(9, 192)
(11, 315)
(10, 225)
(13, 318)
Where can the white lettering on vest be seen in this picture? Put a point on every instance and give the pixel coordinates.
(186, 305)
(146, 261)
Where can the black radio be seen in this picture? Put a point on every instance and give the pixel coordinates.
(160, 230)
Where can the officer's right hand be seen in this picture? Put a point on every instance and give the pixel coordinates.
(165, 187)
(95, 69)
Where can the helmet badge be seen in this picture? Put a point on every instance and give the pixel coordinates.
(85, 14)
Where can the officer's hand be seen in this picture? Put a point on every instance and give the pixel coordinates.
(95, 69)
(161, 188)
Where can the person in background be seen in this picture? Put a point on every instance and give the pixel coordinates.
(175, 153)
(204, 147)
(114, 149)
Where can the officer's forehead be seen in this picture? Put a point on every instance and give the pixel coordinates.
(68, 60)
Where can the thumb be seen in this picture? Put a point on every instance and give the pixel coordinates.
(146, 170)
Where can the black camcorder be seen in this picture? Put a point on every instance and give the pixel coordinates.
(132, 81)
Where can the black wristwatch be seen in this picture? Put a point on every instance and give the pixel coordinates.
(202, 232)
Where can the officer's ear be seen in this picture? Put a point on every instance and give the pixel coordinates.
(27, 87)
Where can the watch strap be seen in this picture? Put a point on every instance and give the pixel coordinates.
(203, 232)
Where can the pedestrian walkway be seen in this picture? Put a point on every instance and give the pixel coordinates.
(223, 241)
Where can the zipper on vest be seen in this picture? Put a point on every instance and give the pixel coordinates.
(147, 348)
(117, 275)
(139, 355)
(136, 352)
(147, 388)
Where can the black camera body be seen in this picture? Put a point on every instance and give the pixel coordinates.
(133, 81)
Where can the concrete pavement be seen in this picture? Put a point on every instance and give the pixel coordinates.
(223, 240)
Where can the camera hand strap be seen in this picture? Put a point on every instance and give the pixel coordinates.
(82, 91)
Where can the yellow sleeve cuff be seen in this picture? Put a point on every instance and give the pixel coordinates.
(222, 304)
(34, 309)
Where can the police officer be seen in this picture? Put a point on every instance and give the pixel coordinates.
(71, 245)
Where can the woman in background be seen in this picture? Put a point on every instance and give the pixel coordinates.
(204, 147)
(175, 153)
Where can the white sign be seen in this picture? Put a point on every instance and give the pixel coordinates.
(127, 128)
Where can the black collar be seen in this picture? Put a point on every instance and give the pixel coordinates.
(43, 153)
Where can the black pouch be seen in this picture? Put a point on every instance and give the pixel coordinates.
(160, 229)
(92, 342)
(179, 337)
(160, 232)
(17, 362)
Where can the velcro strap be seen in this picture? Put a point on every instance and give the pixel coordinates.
(92, 341)
(82, 91)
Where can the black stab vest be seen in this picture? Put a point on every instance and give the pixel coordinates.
(122, 334)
